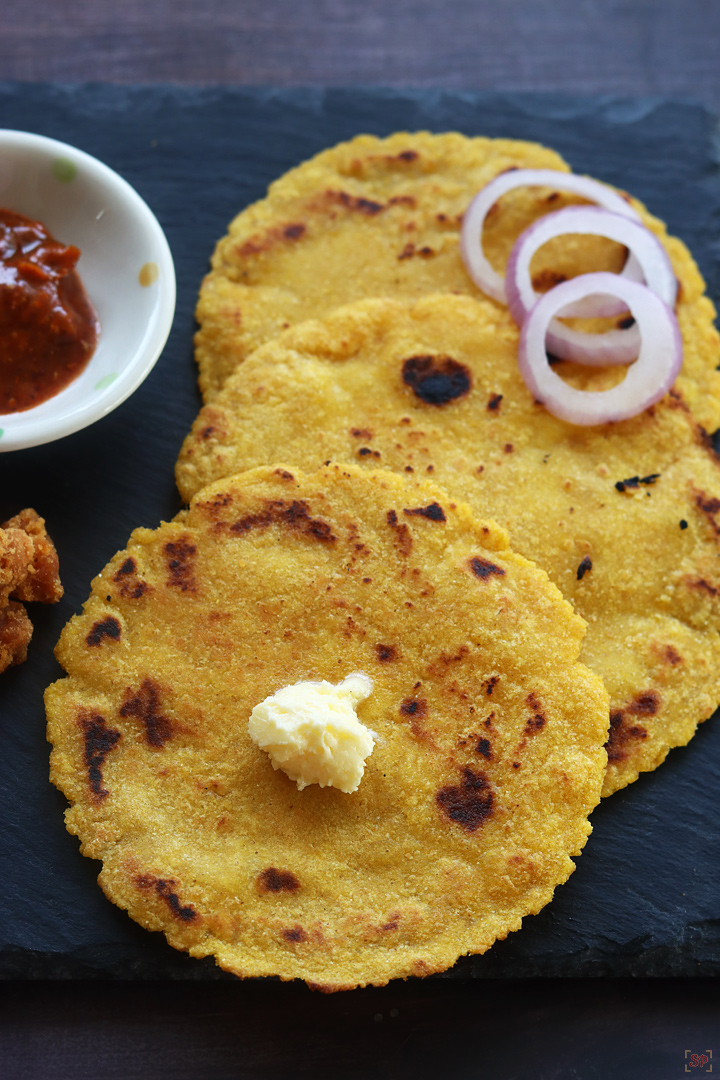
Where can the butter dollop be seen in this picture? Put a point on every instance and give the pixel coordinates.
(311, 732)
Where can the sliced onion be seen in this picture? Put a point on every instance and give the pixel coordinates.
(471, 249)
(647, 380)
(614, 346)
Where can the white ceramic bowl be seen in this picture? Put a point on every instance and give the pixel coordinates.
(126, 268)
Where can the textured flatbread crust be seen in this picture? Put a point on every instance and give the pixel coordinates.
(639, 562)
(489, 754)
(381, 217)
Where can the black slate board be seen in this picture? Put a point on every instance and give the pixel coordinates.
(645, 898)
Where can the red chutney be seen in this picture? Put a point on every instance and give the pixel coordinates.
(48, 328)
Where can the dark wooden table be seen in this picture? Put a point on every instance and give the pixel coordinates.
(498, 1029)
(587, 46)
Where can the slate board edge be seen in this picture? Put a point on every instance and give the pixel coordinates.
(696, 956)
(701, 944)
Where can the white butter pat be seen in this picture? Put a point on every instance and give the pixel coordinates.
(311, 732)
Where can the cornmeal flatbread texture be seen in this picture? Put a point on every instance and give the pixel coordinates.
(381, 217)
(489, 753)
(434, 388)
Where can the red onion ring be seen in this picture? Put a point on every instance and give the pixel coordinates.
(647, 380)
(471, 250)
(614, 346)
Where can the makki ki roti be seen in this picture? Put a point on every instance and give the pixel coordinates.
(624, 517)
(489, 753)
(381, 217)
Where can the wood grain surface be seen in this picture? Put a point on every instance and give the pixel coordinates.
(540, 1030)
(586, 46)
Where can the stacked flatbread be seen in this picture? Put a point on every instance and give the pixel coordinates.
(347, 361)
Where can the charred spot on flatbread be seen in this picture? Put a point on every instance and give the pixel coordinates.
(99, 739)
(433, 512)
(625, 727)
(104, 629)
(132, 587)
(275, 881)
(180, 559)
(484, 568)
(483, 747)
(469, 803)
(144, 704)
(166, 890)
(292, 514)
(403, 536)
(584, 566)
(436, 380)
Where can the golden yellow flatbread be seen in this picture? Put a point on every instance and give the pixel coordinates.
(624, 517)
(489, 733)
(381, 217)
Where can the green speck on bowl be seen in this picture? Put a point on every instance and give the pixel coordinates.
(64, 170)
(101, 384)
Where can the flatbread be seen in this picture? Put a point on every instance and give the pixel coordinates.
(624, 517)
(381, 217)
(489, 753)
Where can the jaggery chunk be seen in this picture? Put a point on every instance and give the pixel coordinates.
(41, 578)
(15, 633)
(16, 555)
(29, 571)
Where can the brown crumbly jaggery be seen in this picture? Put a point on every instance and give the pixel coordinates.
(29, 573)
(40, 581)
(489, 753)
